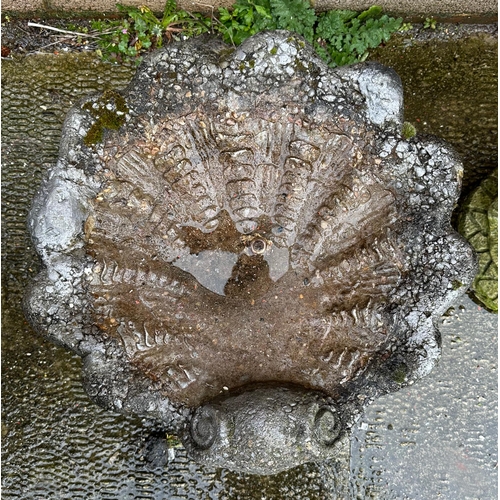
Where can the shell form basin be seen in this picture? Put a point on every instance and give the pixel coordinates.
(247, 219)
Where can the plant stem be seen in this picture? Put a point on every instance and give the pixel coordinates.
(76, 33)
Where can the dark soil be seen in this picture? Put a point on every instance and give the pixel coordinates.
(20, 39)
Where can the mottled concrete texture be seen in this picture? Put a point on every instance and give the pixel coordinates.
(402, 7)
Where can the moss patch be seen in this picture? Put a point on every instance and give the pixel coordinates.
(399, 373)
(109, 111)
(408, 131)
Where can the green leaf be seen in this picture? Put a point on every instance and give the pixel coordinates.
(347, 35)
(294, 15)
(224, 14)
(373, 12)
(246, 19)
(122, 46)
(339, 36)
(170, 8)
(263, 11)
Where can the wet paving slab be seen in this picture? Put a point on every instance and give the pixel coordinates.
(436, 439)
(449, 91)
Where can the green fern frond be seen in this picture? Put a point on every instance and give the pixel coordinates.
(295, 15)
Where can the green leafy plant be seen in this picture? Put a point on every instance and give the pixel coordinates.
(406, 27)
(339, 36)
(294, 15)
(244, 20)
(430, 22)
(141, 30)
(344, 36)
(248, 17)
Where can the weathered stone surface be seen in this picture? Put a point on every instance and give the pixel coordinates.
(248, 231)
(479, 224)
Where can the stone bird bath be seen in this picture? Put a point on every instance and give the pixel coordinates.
(243, 246)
